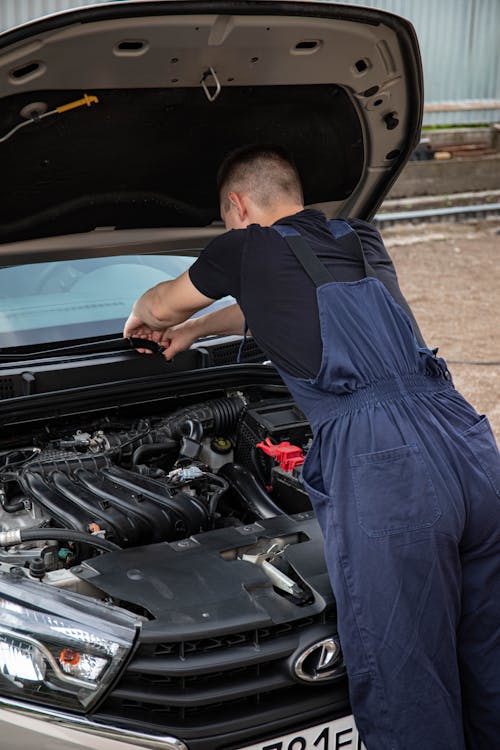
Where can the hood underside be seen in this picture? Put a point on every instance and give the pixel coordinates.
(339, 87)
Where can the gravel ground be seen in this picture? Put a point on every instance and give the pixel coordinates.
(450, 275)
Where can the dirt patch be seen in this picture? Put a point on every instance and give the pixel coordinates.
(450, 275)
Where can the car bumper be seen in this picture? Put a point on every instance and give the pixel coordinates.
(23, 727)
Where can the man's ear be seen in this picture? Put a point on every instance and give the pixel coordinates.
(239, 204)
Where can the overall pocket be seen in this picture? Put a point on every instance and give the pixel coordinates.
(393, 491)
(481, 443)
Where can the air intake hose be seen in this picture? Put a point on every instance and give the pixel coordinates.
(218, 417)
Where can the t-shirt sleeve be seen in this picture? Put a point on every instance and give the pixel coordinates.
(216, 272)
(379, 259)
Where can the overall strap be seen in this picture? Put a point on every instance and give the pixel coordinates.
(344, 233)
(317, 272)
(315, 269)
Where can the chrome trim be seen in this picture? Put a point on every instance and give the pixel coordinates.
(327, 664)
(84, 725)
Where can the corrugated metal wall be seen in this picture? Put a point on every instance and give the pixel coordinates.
(460, 42)
(15, 12)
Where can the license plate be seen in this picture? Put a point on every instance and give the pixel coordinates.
(341, 734)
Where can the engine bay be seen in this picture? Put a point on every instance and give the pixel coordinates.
(86, 485)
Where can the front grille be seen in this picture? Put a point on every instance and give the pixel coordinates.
(247, 637)
(196, 683)
(7, 389)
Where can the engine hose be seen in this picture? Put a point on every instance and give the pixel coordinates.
(192, 429)
(12, 506)
(250, 492)
(214, 500)
(218, 416)
(152, 449)
(16, 536)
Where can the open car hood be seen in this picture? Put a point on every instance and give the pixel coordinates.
(178, 85)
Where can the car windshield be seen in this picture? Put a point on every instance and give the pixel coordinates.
(76, 299)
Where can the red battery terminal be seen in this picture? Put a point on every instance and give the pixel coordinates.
(287, 455)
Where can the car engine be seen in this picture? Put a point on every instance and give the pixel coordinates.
(127, 481)
(186, 515)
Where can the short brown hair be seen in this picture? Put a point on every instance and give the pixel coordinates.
(267, 172)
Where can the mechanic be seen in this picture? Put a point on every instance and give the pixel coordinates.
(403, 474)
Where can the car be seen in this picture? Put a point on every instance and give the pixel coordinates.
(162, 578)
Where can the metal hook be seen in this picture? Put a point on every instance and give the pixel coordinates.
(211, 96)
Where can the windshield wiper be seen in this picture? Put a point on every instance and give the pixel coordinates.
(117, 344)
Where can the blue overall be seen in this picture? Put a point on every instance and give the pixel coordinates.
(404, 477)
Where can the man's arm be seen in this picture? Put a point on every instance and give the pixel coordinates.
(163, 313)
(163, 306)
(224, 322)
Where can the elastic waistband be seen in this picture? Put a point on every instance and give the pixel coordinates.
(331, 405)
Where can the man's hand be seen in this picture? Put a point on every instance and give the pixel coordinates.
(224, 322)
(136, 328)
(180, 337)
(162, 307)
(177, 338)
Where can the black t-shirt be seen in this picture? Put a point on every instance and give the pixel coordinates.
(257, 267)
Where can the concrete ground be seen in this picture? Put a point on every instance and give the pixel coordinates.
(450, 275)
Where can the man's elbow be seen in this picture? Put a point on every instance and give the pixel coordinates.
(162, 312)
(158, 309)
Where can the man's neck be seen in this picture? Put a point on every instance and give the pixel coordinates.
(280, 212)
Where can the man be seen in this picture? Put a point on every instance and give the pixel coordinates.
(403, 474)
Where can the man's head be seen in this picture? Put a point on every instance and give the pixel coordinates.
(258, 184)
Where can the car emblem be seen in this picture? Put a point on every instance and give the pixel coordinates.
(318, 662)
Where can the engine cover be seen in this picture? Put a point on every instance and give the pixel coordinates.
(205, 587)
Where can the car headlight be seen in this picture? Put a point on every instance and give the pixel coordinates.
(59, 660)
